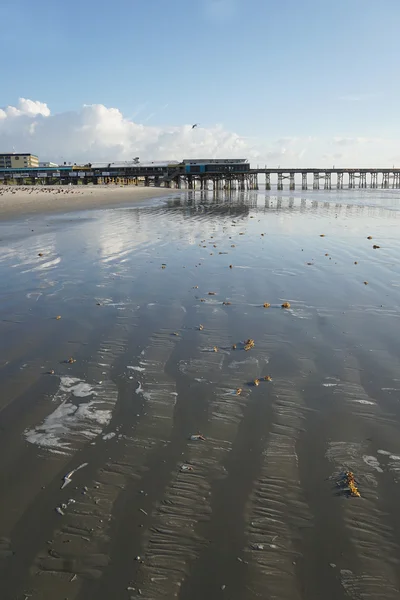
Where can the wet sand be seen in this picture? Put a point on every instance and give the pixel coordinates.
(254, 510)
(16, 201)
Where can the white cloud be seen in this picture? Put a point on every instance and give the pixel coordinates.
(289, 141)
(98, 133)
(27, 107)
(360, 97)
(353, 141)
(362, 151)
(332, 157)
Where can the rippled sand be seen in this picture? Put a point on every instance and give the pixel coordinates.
(152, 300)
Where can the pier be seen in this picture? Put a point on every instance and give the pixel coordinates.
(322, 178)
(311, 178)
(203, 174)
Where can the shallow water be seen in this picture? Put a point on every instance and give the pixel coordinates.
(259, 514)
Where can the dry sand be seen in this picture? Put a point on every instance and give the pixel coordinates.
(22, 200)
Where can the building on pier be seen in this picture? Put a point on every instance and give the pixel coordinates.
(44, 165)
(214, 165)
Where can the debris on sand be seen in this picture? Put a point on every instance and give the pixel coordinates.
(257, 546)
(186, 468)
(286, 305)
(249, 344)
(348, 482)
(197, 437)
(68, 477)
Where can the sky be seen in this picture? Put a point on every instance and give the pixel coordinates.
(280, 82)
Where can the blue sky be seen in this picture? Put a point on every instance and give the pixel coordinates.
(265, 69)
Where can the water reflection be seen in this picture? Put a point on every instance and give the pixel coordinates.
(242, 203)
(98, 247)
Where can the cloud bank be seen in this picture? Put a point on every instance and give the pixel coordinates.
(98, 133)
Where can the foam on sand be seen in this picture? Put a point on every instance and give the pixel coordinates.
(83, 411)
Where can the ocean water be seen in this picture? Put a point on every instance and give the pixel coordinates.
(156, 303)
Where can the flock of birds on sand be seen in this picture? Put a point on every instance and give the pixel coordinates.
(37, 190)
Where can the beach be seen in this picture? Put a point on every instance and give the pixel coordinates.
(27, 200)
(200, 395)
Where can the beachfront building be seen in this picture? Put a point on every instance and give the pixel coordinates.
(47, 164)
(17, 161)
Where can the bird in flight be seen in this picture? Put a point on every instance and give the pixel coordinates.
(194, 126)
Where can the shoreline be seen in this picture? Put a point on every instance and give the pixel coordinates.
(21, 201)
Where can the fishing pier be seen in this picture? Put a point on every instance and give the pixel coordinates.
(322, 178)
(203, 174)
